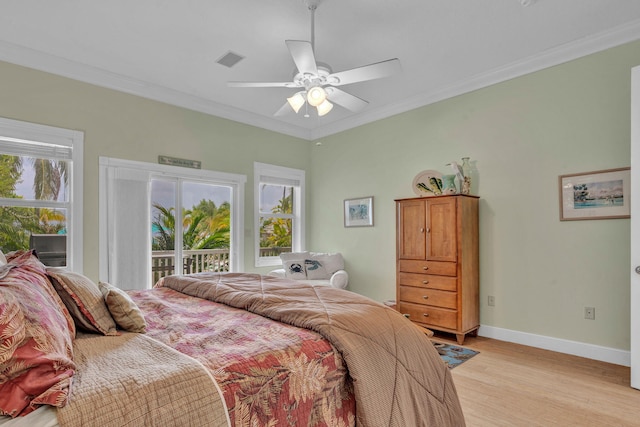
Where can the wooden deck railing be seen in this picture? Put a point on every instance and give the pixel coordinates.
(193, 261)
(197, 260)
(274, 251)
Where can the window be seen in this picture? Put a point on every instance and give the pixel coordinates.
(162, 220)
(41, 192)
(279, 212)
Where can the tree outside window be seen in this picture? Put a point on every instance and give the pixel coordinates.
(41, 183)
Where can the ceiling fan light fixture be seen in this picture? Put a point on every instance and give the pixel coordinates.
(324, 108)
(316, 96)
(296, 101)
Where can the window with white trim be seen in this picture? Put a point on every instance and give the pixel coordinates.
(41, 192)
(279, 212)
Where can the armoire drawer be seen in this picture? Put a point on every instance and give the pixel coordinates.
(428, 315)
(445, 283)
(432, 297)
(428, 267)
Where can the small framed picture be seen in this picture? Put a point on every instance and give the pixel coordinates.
(358, 212)
(601, 194)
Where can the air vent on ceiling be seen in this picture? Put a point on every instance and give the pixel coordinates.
(229, 59)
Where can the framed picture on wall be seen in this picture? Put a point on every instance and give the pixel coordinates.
(601, 194)
(358, 212)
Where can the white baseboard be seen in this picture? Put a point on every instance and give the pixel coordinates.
(590, 351)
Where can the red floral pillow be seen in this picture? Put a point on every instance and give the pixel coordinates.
(36, 339)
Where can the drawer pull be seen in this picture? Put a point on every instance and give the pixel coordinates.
(425, 282)
(425, 296)
(422, 230)
(425, 268)
(426, 314)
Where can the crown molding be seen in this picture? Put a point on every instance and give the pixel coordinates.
(53, 64)
(558, 55)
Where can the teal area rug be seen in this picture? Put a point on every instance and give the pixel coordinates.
(452, 355)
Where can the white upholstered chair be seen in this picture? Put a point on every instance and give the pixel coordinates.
(314, 268)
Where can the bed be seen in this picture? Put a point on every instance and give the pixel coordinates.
(239, 349)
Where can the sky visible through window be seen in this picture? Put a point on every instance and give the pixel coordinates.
(163, 193)
(24, 186)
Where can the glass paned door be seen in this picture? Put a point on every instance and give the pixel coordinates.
(206, 227)
(194, 238)
(163, 228)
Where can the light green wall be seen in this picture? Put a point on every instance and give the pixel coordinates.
(129, 127)
(522, 134)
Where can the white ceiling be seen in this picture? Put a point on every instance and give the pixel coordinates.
(167, 50)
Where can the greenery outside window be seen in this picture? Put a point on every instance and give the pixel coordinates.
(41, 192)
(279, 212)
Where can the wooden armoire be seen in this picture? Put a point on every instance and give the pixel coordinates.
(437, 263)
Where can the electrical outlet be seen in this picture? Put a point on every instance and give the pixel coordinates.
(491, 301)
(590, 313)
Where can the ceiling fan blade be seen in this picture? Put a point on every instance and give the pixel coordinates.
(368, 72)
(261, 84)
(284, 110)
(346, 100)
(302, 54)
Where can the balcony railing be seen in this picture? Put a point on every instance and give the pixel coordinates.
(193, 261)
(274, 251)
(197, 261)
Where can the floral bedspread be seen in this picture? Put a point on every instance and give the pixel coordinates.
(271, 374)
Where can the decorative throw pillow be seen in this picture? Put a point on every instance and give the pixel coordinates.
(122, 308)
(36, 338)
(316, 270)
(27, 262)
(332, 262)
(293, 263)
(84, 300)
(295, 269)
(294, 256)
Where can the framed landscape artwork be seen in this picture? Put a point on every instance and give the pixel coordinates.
(358, 212)
(601, 194)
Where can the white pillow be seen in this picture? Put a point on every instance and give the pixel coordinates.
(3, 259)
(316, 269)
(331, 262)
(294, 256)
(294, 269)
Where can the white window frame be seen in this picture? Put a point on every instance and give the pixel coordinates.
(157, 171)
(41, 139)
(262, 173)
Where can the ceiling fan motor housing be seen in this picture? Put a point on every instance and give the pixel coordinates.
(309, 80)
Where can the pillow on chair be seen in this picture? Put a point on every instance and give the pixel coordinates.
(293, 263)
(316, 269)
(311, 265)
(332, 262)
(295, 269)
(321, 266)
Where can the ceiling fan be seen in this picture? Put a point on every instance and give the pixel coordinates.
(315, 81)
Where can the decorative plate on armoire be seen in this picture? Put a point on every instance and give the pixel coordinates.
(428, 183)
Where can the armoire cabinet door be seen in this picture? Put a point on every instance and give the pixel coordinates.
(411, 229)
(441, 229)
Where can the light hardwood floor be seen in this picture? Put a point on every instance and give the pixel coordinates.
(514, 385)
